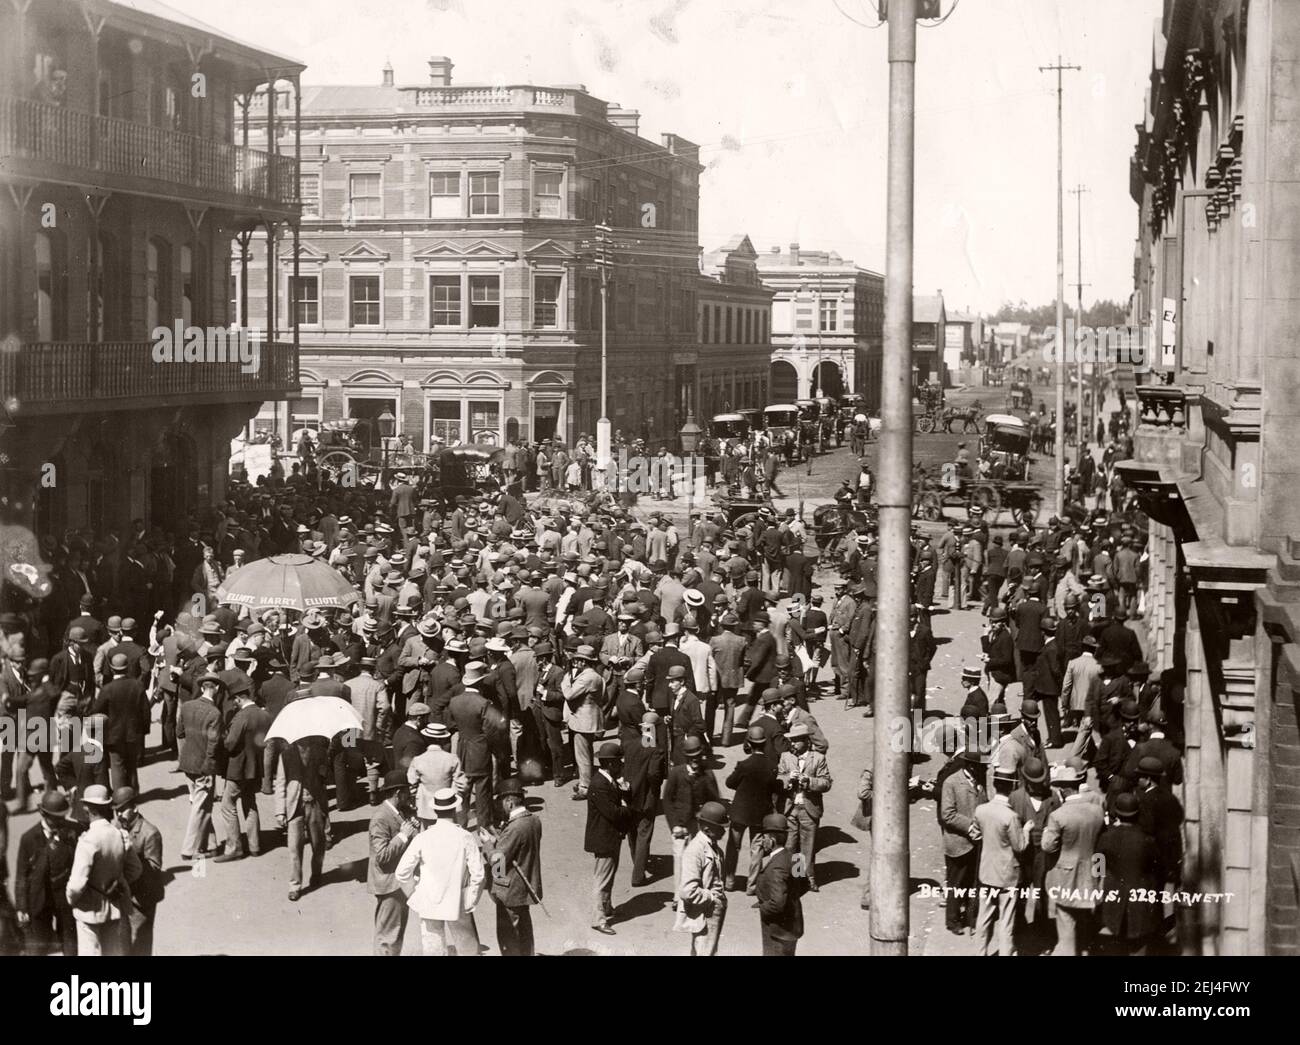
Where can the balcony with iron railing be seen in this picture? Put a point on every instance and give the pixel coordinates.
(62, 377)
(47, 142)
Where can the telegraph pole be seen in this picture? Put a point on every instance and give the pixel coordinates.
(890, 856)
(1059, 68)
(1081, 432)
(603, 261)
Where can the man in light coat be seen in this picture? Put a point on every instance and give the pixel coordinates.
(961, 794)
(1002, 842)
(701, 898)
(1081, 684)
(442, 871)
(583, 691)
(1071, 833)
(435, 770)
(99, 886)
(804, 776)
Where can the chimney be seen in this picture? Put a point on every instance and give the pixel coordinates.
(440, 67)
(626, 119)
(794, 253)
(388, 74)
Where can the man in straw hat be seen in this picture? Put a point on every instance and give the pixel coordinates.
(1002, 839)
(473, 716)
(437, 768)
(583, 692)
(442, 872)
(392, 827)
(99, 885)
(1071, 836)
(804, 777)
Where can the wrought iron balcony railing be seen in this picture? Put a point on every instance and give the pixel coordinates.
(44, 134)
(46, 374)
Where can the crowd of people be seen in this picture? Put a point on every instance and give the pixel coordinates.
(493, 647)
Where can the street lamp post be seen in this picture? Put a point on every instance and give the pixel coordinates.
(387, 425)
(689, 436)
(603, 448)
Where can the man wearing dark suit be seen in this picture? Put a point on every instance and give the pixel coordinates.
(244, 741)
(146, 891)
(861, 641)
(661, 661)
(407, 741)
(1046, 678)
(780, 907)
(760, 658)
(392, 827)
(516, 865)
(1000, 652)
(124, 703)
(71, 670)
(1160, 815)
(1119, 640)
(469, 710)
(1029, 633)
(45, 854)
(608, 820)
(643, 769)
(1132, 872)
(753, 783)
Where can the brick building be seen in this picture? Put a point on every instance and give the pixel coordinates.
(446, 266)
(735, 330)
(827, 325)
(125, 178)
(1218, 448)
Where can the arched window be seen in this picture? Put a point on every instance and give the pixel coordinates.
(158, 284)
(187, 285)
(51, 287)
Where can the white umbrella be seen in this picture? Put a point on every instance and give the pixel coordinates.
(313, 717)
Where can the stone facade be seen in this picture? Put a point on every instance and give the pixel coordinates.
(451, 265)
(1216, 448)
(827, 324)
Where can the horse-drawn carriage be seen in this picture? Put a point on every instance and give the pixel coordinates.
(1006, 443)
(1019, 397)
(468, 470)
(781, 422)
(729, 429)
(829, 421)
(851, 405)
(810, 425)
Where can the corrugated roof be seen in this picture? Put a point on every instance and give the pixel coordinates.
(154, 9)
(927, 308)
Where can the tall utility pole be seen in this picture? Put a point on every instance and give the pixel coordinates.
(1059, 68)
(1080, 430)
(604, 261)
(890, 857)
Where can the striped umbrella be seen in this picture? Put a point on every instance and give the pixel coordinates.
(295, 582)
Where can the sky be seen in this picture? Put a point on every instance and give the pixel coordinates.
(788, 101)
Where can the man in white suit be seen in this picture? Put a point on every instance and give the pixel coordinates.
(442, 873)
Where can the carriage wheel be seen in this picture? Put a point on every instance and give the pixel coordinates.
(1027, 516)
(988, 498)
(926, 424)
(930, 506)
(336, 459)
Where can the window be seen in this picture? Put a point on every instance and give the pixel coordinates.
(803, 315)
(444, 420)
(484, 195)
(444, 301)
(187, 285)
(309, 195)
(546, 301)
(484, 422)
(51, 287)
(830, 313)
(548, 194)
(444, 194)
(158, 283)
(484, 301)
(364, 196)
(304, 413)
(728, 338)
(363, 297)
(704, 330)
(304, 296)
(717, 324)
